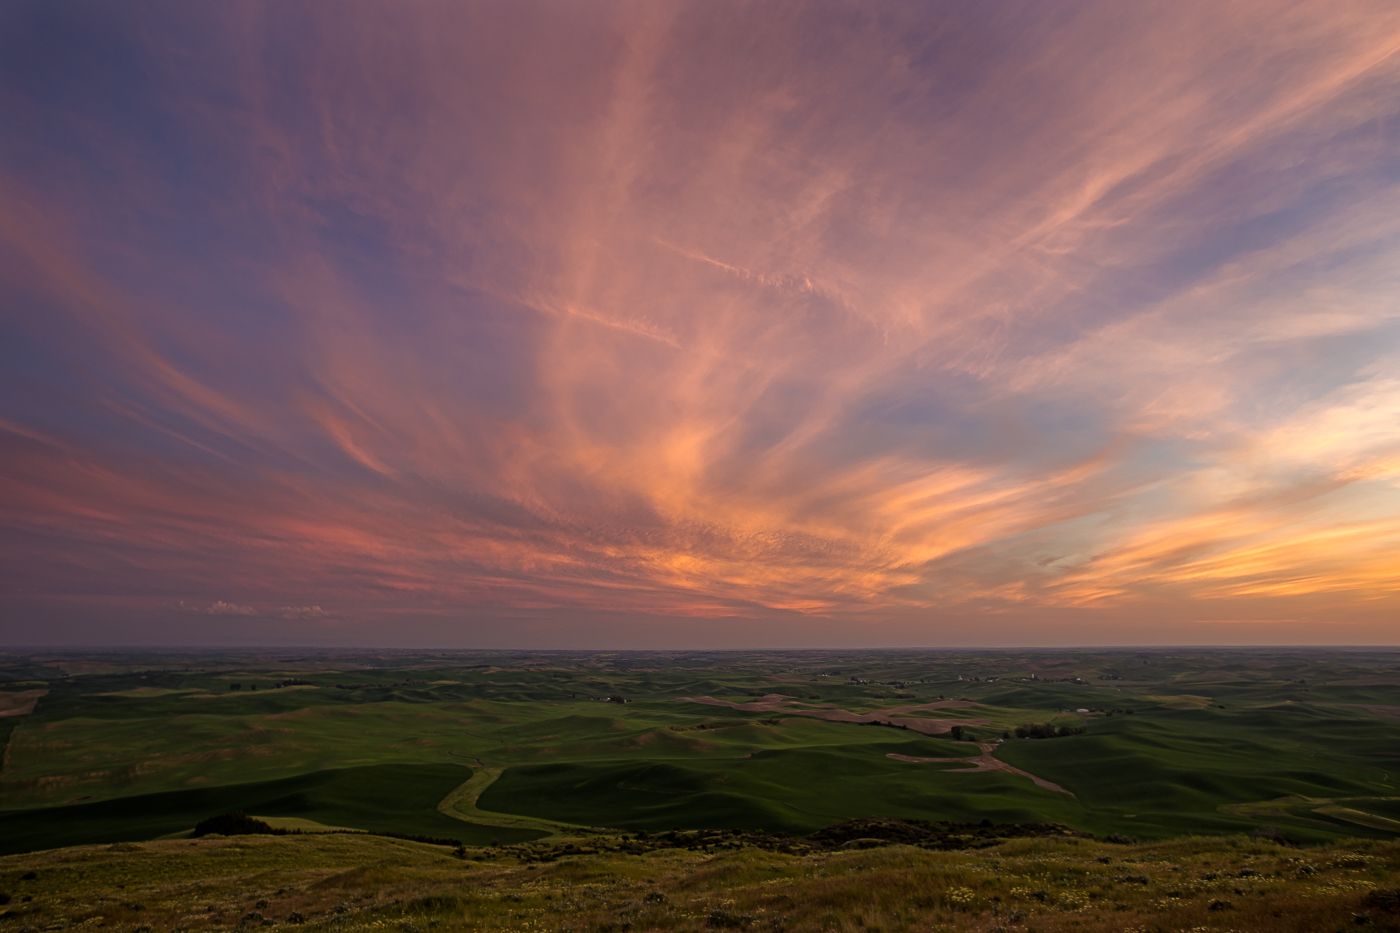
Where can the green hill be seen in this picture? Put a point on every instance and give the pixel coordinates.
(383, 798)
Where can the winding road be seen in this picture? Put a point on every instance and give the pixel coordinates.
(987, 761)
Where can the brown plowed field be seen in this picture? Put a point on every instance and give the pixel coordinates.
(777, 703)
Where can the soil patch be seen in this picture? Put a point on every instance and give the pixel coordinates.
(20, 703)
(777, 703)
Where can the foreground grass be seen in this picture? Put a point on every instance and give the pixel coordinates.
(345, 884)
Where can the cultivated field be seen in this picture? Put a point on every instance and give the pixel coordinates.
(512, 747)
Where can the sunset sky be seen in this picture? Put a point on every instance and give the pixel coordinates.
(663, 324)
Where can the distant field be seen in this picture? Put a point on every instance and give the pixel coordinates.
(131, 747)
(795, 791)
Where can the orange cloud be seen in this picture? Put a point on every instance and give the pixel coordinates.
(702, 311)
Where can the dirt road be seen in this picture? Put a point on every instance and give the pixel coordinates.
(986, 762)
(1391, 711)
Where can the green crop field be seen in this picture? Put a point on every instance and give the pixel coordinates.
(512, 747)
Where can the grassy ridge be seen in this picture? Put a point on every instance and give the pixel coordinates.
(361, 884)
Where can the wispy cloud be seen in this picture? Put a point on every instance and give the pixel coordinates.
(703, 310)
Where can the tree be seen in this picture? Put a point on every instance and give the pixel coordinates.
(236, 823)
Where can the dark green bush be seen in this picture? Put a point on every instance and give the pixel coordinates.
(236, 823)
(1045, 730)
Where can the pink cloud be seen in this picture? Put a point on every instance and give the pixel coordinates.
(694, 311)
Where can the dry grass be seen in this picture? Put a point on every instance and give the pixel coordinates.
(347, 884)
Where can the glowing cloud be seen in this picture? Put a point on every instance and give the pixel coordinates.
(893, 314)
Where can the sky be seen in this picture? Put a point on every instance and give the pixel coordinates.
(716, 324)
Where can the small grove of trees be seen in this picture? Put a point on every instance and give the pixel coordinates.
(1045, 730)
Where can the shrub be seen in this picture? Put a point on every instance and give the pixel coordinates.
(1272, 834)
(723, 917)
(1045, 730)
(414, 837)
(236, 823)
(1384, 899)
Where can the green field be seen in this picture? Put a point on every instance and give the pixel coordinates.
(390, 798)
(130, 747)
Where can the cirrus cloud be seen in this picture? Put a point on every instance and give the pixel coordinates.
(704, 310)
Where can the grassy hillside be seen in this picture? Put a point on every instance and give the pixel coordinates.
(388, 798)
(787, 790)
(349, 884)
